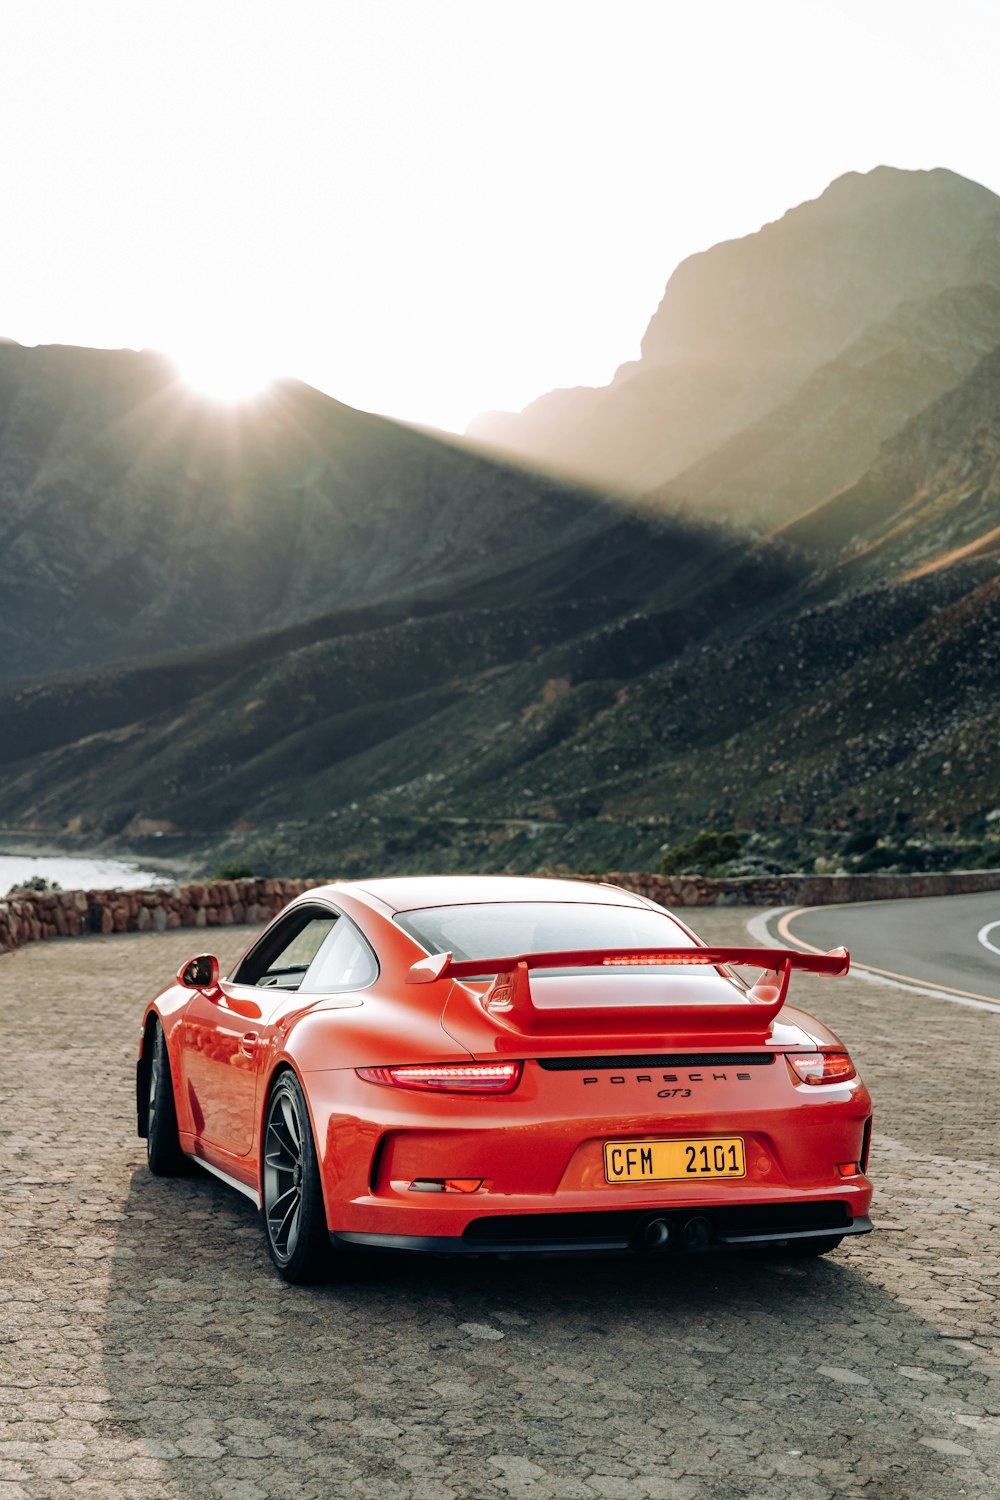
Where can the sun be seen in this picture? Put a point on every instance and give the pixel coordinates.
(228, 375)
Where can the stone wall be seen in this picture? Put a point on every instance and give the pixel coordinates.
(220, 903)
(802, 890)
(229, 903)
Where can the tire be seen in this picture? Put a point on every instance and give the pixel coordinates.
(163, 1147)
(292, 1210)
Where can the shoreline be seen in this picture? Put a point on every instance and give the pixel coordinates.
(52, 845)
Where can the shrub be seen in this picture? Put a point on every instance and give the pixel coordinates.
(235, 871)
(35, 885)
(706, 851)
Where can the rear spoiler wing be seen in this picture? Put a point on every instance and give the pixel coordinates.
(509, 996)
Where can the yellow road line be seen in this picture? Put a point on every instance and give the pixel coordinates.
(927, 984)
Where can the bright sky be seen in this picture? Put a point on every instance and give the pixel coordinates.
(433, 207)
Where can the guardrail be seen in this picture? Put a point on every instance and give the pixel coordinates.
(31, 917)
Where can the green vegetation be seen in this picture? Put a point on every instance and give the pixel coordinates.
(705, 852)
(35, 885)
(238, 870)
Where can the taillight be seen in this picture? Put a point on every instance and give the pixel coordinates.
(820, 1067)
(449, 1078)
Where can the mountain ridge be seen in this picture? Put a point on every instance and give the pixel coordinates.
(134, 516)
(742, 325)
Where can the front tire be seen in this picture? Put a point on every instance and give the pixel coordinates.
(163, 1147)
(292, 1210)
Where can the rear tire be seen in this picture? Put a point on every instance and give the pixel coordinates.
(163, 1147)
(292, 1210)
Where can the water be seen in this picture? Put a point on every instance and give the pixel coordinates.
(73, 874)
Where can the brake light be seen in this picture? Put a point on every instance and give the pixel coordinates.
(643, 960)
(820, 1067)
(449, 1078)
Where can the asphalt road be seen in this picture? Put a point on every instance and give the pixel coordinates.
(148, 1352)
(946, 943)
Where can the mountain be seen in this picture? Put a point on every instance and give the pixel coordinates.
(644, 682)
(779, 323)
(136, 517)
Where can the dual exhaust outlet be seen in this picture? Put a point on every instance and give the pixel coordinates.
(659, 1235)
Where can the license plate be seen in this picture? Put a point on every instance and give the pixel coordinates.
(668, 1161)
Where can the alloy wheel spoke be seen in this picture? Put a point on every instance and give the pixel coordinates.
(290, 1192)
(292, 1237)
(280, 1161)
(284, 1229)
(285, 1147)
(291, 1121)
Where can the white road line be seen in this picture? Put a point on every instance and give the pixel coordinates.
(982, 936)
(759, 929)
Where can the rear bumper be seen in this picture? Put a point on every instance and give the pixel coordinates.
(730, 1226)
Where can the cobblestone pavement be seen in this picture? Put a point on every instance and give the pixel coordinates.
(147, 1350)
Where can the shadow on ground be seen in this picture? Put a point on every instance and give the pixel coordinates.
(698, 1378)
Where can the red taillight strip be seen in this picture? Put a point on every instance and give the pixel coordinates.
(457, 1078)
(820, 1067)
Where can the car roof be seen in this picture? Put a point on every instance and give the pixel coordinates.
(411, 892)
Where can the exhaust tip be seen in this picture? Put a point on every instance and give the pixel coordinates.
(696, 1233)
(656, 1236)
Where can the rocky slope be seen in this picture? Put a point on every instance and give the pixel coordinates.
(829, 433)
(206, 739)
(744, 325)
(930, 500)
(135, 517)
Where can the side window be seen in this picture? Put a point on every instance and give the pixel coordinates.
(282, 957)
(344, 962)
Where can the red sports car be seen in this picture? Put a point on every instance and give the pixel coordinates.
(477, 1064)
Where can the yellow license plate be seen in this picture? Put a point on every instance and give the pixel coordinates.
(668, 1161)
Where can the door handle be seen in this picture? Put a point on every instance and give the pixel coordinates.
(248, 1043)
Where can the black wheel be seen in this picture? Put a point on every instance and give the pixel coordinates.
(292, 1208)
(163, 1146)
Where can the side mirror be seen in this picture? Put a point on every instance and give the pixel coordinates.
(201, 973)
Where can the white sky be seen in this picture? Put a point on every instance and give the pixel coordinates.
(434, 207)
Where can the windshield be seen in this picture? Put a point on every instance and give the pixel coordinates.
(504, 929)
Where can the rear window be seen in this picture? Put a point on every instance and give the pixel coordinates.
(504, 929)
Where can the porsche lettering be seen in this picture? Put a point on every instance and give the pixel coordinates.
(619, 1078)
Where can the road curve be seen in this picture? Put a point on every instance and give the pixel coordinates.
(947, 946)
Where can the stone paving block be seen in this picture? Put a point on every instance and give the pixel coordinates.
(147, 1352)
